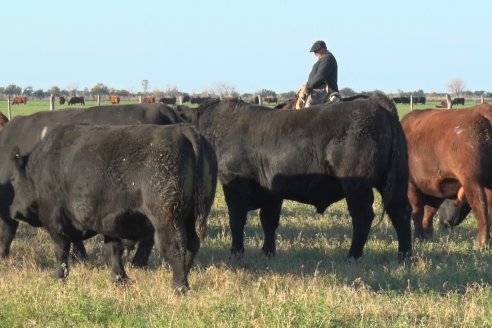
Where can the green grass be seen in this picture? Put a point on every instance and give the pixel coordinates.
(307, 284)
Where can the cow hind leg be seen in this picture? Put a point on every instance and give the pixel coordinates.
(142, 254)
(79, 253)
(172, 242)
(359, 203)
(269, 218)
(8, 229)
(399, 213)
(62, 252)
(237, 220)
(480, 201)
(115, 249)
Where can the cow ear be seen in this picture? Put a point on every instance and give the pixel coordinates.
(18, 158)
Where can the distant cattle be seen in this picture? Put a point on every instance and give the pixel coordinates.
(450, 155)
(458, 101)
(114, 100)
(19, 100)
(168, 100)
(76, 100)
(198, 100)
(317, 156)
(148, 100)
(61, 100)
(270, 99)
(160, 182)
(27, 131)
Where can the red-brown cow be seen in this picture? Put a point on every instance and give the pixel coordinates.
(450, 156)
(114, 100)
(19, 100)
(3, 120)
(148, 100)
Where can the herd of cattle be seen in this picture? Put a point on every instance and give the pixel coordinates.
(146, 173)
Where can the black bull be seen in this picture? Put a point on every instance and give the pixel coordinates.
(27, 131)
(315, 156)
(82, 179)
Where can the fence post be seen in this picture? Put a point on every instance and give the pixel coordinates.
(140, 99)
(9, 108)
(181, 100)
(481, 99)
(99, 100)
(411, 102)
(259, 100)
(52, 102)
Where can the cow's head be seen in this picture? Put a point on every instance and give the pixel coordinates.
(452, 213)
(24, 204)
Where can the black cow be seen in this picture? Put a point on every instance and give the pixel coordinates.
(316, 156)
(27, 131)
(82, 180)
(76, 100)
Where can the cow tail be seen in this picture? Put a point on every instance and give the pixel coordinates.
(206, 178)
(397, 138)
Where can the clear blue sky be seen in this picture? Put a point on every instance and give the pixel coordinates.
(250, 45)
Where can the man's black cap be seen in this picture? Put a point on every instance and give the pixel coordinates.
(318, 45)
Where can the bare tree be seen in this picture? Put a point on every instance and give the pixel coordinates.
(456, 86)
(225, 89)
(145, 85)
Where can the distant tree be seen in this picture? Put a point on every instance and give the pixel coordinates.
(145, 85)
(456, 86)
(13, 89)
(2, 90)
(39, 93)
(28, 90)
(347, 92)
(266, 93)
(418, 93)
(54, 90)
(171, 91)
(99, 89)
(225, 89)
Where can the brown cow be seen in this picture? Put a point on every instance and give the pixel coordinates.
(148, 100)
(3, 120)
(450, 153)
(114, 100)
(168, 100)
(19, 100)
(76, 100)
(61, 100)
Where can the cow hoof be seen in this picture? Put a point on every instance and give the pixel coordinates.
(268, 252)
(121, 280)
(238, 254)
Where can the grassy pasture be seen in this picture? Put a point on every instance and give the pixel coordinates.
(307, 284)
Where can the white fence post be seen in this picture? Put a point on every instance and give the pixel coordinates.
(99, 100)
(9, 108)
(52, 102)
(140, 99)
(411, 102)
(259, 100)
(482, 100)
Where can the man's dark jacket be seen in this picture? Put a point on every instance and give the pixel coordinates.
(325, 71)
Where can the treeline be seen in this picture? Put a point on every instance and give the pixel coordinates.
(102, 90)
